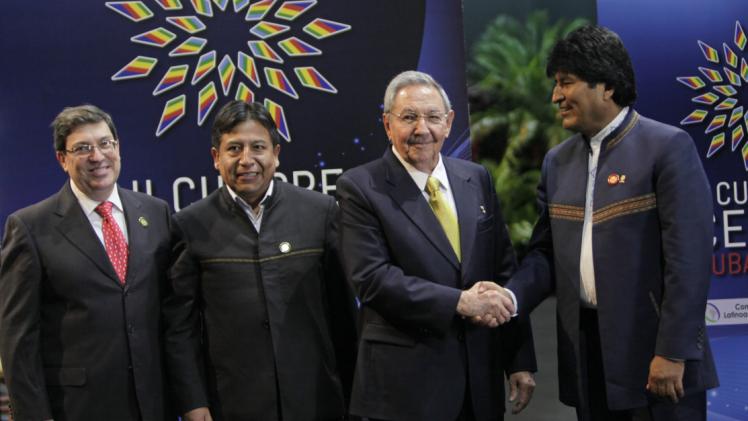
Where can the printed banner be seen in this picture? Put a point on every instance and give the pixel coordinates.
(163, 68)
(691, 68)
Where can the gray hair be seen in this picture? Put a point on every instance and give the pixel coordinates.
(410, 78)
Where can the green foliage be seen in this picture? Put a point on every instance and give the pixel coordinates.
(513, 122)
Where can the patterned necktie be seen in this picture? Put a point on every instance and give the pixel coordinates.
(114, 240)
(444, 214)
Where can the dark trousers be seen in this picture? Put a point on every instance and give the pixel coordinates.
(466, 413)
(594, 405)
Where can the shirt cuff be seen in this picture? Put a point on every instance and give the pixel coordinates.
(514, 301)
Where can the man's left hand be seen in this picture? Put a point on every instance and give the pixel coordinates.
(521, 386)
(666, 378)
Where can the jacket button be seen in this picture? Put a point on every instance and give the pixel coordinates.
(266, 324)
(461, 337)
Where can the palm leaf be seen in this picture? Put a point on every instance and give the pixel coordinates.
(511, 112)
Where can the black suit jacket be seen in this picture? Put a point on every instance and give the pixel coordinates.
(416, 355)
(75, 344)
(258, 323)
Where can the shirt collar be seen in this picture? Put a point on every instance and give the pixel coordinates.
(420, 177)
(235, 197)
(89, 205)
(602, 134)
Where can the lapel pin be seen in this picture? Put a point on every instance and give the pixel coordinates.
(284, 247)
(614, 179)
(483, 209)
(143, 221)
(623, 179)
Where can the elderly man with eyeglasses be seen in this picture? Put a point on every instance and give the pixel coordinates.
(81, 274)
(422, 237)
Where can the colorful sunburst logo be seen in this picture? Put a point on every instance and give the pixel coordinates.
(265, 24)
(718, 88)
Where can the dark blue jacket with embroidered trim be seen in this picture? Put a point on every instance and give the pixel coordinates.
(652, 243)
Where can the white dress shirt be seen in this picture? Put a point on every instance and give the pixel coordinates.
(421, 178)
(586, 262)
(254, 218)
(89, 208)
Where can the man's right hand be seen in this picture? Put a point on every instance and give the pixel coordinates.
(486, 303)
(198, 414)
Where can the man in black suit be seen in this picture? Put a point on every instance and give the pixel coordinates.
(259, 318)
(421, 237)
(80, 280)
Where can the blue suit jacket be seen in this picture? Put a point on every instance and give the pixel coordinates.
(416, 356)
(652, 242)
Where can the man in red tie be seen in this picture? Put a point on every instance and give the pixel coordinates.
(80, 285)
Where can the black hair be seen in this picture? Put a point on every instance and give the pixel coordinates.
(596, 55)
(236, 112)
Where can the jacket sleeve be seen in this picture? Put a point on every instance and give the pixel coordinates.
(517, 345)
(183, 334)
(21, 279)
(341, 301)
(684, 206)
(534, 280)
(380, 284)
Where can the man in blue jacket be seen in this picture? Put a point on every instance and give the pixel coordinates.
(624, 241)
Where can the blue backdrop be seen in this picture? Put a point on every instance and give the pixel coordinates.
(690, 62)
(68, 52)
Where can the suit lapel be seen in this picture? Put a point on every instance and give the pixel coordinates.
(405, 192)
(466, 202)
(75, 226)
(137, 233)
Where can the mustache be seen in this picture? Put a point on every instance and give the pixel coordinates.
(419, 141)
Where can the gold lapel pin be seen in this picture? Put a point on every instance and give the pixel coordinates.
(284, 247)
(143, 221)
(613, 179)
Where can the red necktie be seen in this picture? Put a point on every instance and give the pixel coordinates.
(114, 240)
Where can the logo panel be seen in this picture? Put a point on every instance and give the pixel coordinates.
(264, 21)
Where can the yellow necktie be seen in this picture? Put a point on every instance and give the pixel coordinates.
(444, 214)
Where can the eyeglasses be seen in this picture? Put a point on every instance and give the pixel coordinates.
(411, 119)
(85, 149)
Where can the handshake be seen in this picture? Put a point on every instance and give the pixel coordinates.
(486, 304)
